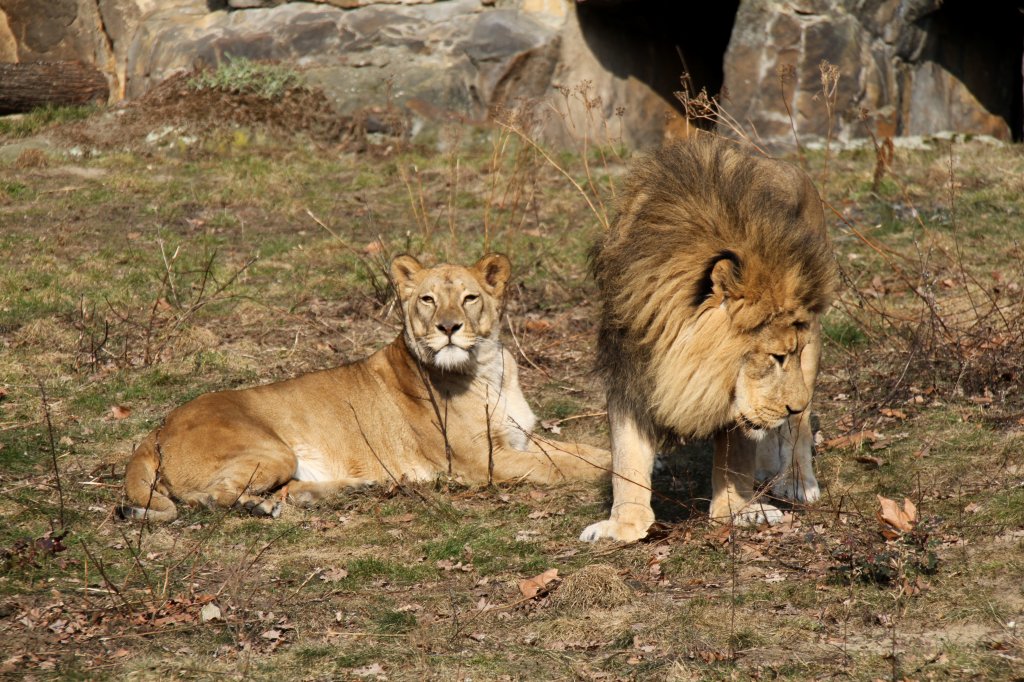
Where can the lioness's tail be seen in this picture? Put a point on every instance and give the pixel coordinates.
(146, 497)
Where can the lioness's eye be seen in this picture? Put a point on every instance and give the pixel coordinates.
(427, 298)
(470, 298)
(779, 359)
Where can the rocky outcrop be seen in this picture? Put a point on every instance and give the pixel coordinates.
(913, 66)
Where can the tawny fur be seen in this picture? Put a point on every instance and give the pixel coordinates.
(444, 389)
(713, 277)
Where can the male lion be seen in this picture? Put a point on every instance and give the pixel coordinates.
(713, 278)
(444, 391)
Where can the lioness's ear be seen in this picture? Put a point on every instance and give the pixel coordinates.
(725, 277)
(402, 269)
(494, 270)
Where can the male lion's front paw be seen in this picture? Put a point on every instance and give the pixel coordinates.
(617, 531)
(754, 514)
(757, 513)
(805, 490)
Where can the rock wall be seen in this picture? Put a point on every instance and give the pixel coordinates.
(918, 66)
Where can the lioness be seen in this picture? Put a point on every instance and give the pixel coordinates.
(444, 390)
(713, 278)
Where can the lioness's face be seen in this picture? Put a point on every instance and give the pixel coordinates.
(450, 311)
(771, 384)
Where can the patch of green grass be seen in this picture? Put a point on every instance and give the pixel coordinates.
(16, 191)
(843, 332)
(560, 408)
(367, 569)
(394, 622)
(36, 120)
(239, 75)
(489, 549)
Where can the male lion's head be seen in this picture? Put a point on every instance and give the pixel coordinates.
(451, 312)
(714, 276)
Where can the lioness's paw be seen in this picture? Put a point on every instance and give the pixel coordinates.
(614, 530)
(805, 490)
(263, 508)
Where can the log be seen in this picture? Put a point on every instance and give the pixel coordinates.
(27, 86)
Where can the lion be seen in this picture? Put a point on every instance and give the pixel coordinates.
(443, 397)
(713, 278)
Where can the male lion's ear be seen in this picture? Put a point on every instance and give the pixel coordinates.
(724, 277)
(494, 270)
(402, 270)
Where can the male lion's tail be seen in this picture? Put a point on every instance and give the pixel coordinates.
(146, 498)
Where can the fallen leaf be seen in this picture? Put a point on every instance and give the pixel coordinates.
(3, 392)
(536, 325)
(120, 411)
(540, 514)
(895, 414)
(853, 440)
(373, 669)
(530, 587)
(209, 612)
(552, 425)
(373, 248)
(404, 518)
(334, 575)
(537, 494)
(872, 462)
(972, 508)
(272, 635)
(895, 520)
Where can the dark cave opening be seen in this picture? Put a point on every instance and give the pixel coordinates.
(982, 45)
(658, 41)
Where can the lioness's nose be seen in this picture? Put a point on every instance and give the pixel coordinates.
(449, 328)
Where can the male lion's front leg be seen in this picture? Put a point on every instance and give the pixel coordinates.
(794, 478)
(632, 461)
(785, 457)
(732, 482)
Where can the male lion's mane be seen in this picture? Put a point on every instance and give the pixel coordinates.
(684, 209)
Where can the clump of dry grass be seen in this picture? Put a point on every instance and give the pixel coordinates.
(593, 586)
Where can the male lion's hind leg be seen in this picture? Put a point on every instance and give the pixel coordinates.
(732, 483)
(632, 461)
(785, 458)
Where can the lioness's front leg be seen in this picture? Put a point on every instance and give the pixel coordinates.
(732, 482)
(632, 461)
(549, 461)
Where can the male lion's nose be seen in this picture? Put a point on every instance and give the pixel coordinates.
(449, 328)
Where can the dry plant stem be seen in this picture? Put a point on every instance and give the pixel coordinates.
(137, 563)
(112, 590)
(785, 73)
(602, 218)
(168, 268)
(497, 154)
(53, 453)
(829, 87)
(419, 210)
(490, 440)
